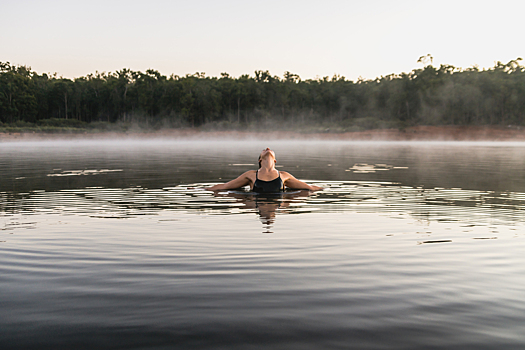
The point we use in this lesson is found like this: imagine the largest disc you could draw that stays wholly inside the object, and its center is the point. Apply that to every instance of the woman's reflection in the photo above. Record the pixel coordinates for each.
(266, 205)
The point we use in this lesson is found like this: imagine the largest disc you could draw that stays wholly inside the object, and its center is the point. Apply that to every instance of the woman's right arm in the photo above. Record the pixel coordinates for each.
(241, 181)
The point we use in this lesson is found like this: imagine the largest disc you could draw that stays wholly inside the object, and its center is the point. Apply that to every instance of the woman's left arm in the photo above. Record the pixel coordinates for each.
(290, 181)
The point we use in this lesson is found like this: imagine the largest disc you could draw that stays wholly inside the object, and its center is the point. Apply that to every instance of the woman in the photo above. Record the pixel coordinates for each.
(267, 179)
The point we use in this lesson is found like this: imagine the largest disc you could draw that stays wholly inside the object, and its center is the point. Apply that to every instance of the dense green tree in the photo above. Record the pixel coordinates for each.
(18, 100)
(443, 95)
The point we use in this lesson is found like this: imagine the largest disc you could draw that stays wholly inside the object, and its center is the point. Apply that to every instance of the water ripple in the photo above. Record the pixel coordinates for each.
(468, 206)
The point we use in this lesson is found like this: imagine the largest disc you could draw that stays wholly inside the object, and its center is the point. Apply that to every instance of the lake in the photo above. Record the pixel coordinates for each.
(110, 244)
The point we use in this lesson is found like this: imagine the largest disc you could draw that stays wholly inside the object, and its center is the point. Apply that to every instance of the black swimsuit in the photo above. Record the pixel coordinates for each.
(261, 186)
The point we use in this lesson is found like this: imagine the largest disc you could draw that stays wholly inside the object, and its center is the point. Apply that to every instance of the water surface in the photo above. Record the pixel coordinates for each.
(114, 244)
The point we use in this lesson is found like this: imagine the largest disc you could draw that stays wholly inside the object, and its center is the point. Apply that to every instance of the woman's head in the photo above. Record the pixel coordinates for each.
(266, 153)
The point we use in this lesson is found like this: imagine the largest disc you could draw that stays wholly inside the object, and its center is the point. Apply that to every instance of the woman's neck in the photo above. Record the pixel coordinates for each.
(267, 164)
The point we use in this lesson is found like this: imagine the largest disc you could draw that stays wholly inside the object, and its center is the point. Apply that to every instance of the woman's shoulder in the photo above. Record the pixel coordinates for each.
(285, 175)
(249, 173)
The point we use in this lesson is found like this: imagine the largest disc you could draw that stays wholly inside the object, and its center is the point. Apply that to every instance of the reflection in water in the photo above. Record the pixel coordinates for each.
(437, 204)
(267, 205)
(83, 172)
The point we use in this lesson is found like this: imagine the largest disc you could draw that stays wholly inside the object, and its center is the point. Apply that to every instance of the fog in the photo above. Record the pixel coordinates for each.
(156, 163)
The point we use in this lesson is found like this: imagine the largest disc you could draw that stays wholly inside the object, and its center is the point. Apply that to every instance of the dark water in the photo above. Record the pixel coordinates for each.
(115, 245)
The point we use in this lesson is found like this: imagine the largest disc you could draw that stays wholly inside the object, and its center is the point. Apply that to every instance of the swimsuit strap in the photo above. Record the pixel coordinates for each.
(256, 172)
(282, 182)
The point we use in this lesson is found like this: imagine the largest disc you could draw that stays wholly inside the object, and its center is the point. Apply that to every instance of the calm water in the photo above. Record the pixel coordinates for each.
(116, 245)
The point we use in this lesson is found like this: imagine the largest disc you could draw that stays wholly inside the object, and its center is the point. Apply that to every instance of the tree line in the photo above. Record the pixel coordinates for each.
(444, 95)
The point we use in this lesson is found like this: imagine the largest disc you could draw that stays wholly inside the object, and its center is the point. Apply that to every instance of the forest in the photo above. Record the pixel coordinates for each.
(444, 95)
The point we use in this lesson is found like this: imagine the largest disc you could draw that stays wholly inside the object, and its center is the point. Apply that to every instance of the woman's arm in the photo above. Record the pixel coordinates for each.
(241, 181)
(292, 182)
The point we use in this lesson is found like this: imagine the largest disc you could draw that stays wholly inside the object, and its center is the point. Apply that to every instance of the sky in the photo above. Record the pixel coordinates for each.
(313, 39)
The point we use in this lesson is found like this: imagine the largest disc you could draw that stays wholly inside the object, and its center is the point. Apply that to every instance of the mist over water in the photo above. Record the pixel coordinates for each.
(114, 244)
(148, 163)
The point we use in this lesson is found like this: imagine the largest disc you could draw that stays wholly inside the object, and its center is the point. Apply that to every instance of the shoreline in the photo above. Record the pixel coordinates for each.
(416, 133)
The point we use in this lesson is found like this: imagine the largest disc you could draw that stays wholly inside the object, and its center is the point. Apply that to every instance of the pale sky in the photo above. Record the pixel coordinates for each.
(310, 38)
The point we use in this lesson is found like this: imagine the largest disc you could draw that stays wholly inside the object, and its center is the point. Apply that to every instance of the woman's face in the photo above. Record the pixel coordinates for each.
(267, 152)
